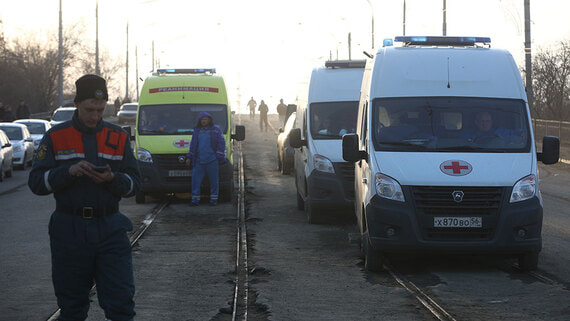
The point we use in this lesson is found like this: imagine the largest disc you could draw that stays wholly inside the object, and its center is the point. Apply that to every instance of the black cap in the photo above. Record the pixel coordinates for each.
(90, 86)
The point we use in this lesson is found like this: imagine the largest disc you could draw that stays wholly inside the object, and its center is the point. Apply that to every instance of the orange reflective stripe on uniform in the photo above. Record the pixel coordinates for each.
(67, 144)
(111, 143)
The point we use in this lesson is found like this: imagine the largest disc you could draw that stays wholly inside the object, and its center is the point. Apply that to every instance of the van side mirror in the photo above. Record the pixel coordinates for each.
(129, 132)
(550, 150)
(350, 151)
(239, 134)
(295, 138)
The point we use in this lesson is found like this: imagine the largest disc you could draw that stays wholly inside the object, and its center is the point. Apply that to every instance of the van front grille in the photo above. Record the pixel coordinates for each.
(170, 161)
(438, 200)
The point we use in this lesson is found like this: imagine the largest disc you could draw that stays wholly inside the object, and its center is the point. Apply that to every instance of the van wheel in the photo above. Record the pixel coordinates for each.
(279, 164)
(314, 216)
(286, 169)
(140, 198)
(9, 172)
(227, 193)
(528, 261)
(1, 173)
(373, 260)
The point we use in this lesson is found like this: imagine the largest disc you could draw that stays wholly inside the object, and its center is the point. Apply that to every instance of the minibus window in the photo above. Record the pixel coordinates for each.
(442, 124)
(178, 119)
(331, 120)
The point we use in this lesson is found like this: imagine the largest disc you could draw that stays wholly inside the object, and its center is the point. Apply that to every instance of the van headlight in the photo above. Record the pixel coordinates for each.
(389, 188)
(524, 189)
(323, 164)
(144, 155)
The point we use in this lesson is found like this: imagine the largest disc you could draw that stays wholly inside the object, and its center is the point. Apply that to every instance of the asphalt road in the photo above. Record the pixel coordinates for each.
(184, 263)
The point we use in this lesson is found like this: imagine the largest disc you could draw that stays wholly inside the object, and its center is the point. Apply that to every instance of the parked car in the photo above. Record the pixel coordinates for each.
(37, 128)
(21, 141)
(128, 113)
(6, 155)
(286, 153)
(62, 114)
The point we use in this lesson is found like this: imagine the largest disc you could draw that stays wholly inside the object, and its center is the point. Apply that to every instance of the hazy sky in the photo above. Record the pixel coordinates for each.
(268, 47)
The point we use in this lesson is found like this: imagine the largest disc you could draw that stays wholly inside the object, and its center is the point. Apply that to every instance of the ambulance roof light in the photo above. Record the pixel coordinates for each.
(187, 71)
(388, 42)
(442, 41)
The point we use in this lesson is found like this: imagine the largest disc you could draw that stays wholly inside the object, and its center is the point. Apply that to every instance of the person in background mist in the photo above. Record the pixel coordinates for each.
(23, 111)
(263, 110)
(252, 104)
(282, 111)
(8, 115)
(207, 152)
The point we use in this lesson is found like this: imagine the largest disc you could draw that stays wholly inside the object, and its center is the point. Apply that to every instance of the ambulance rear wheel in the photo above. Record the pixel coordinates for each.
(373, 260)
(140, 198)
(528, 261)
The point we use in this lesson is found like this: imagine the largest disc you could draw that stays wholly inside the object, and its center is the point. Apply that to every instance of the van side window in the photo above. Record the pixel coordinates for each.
(304, 134)
(364, 129)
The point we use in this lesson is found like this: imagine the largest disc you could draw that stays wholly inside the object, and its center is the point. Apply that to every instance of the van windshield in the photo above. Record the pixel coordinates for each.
(443, 124)
(331, 120)
(178, 119)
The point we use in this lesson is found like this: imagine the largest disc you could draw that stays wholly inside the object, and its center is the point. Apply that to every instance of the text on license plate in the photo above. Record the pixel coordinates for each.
(179, 173)
(457, 221)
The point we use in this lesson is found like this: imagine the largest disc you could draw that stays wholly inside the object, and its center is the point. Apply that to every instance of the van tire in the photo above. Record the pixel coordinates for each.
(373, 260)
(140, 197)
(528, 261)
(226, 192)
(279, 164)
(314, 216)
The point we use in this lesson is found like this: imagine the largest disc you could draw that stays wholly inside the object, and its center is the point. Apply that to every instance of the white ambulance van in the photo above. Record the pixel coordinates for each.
(445, 154)
(324, 180)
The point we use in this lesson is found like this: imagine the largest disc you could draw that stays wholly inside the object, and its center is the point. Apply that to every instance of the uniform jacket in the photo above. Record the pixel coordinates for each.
(66, 144)
(216, 139)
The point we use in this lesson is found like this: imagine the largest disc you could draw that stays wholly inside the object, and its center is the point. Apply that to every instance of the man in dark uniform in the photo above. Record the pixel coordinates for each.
(88, 165)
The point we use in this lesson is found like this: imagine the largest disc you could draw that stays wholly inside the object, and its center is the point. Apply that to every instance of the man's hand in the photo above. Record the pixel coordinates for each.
(85, 168)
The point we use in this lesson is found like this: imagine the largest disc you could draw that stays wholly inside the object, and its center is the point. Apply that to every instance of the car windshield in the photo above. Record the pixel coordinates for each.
(63, 115)
(331, 120)
(13, 133)
(36, 128)
(129, 107)
(442, 124)
(178, 119)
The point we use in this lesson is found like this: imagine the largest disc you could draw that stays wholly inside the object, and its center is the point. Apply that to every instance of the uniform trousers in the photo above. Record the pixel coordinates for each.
(88, 250)
(198, 173)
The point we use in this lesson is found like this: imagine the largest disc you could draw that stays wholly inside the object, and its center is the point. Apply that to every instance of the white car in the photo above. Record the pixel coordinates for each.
(127, 113)
(6, 155)
(62, 114)
(22, 142)
(37, 128)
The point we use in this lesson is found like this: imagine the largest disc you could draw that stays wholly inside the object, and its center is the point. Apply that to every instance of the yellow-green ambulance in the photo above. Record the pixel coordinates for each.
(169, 104)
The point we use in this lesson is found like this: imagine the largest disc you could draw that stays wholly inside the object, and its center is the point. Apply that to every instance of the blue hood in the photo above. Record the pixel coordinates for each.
(204, 114)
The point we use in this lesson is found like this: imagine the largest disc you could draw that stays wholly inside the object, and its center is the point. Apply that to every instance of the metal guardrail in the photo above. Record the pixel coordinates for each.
(560, 129)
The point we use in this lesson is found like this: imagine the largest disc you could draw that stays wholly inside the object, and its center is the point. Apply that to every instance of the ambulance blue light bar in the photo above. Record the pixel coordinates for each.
(187, 71)
(442, 41)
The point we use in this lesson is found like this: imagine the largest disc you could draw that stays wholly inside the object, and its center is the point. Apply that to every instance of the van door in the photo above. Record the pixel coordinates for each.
(362, 177)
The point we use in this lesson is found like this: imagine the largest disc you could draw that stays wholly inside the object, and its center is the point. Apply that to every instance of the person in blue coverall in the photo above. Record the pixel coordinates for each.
(207, 152)
(88, 165)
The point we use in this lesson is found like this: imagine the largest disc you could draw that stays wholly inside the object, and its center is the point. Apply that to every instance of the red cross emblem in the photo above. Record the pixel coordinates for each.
(181, 143)
(455, 167)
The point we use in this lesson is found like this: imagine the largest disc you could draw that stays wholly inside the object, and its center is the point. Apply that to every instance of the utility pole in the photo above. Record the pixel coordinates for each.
(372, 12)
(127, 66)
(404, 20)
(349, 47)
(528, 55)
(97, 70)
(60, 60)
(153, 62)
(444, 18)
(137, 70)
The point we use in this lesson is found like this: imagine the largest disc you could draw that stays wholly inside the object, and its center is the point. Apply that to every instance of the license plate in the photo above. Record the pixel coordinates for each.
(457, 221)
(179, 173)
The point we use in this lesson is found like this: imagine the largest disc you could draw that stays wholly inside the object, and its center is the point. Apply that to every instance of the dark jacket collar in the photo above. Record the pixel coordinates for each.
(84, 129)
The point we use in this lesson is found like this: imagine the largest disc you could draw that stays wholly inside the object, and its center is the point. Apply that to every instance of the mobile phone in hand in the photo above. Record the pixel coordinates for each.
(100, 168)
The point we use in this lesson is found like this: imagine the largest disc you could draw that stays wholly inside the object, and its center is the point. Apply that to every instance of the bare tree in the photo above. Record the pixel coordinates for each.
(551, 81)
